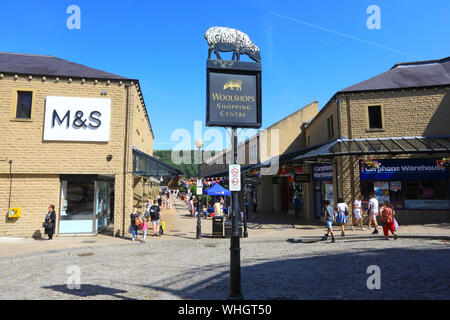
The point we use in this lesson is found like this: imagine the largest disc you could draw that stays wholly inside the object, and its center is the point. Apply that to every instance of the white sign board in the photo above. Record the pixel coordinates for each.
(199, 187)
(235, 177)
(77, 119)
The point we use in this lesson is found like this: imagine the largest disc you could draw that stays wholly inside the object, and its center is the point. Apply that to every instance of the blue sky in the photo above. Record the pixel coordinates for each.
(310, 49)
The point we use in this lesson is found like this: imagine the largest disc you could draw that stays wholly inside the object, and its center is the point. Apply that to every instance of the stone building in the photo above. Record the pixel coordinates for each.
(76, 137)
(399, 119)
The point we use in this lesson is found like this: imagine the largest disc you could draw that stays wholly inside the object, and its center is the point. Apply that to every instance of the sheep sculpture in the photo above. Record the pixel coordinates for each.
(221, 39)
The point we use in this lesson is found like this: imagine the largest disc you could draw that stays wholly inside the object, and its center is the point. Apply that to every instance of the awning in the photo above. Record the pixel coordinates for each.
(375, 146)
(146, 165)
(284, 158)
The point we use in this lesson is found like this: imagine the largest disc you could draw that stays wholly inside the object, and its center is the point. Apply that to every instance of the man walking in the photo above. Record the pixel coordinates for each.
(155, 216)
(373, 212)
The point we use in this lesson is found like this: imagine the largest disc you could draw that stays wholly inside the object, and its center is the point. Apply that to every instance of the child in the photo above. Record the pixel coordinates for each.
(144, 229)
(329, 218)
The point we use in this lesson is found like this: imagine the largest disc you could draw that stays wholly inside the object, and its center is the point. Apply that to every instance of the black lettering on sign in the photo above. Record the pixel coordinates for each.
(94, 119)
(78, 121)
(59, 120)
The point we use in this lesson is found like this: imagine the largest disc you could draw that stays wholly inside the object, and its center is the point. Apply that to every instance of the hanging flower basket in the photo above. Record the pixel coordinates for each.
(443, 163)
(370, 164)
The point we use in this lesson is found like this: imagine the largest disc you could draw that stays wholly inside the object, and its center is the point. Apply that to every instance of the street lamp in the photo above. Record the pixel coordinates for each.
(199, 145)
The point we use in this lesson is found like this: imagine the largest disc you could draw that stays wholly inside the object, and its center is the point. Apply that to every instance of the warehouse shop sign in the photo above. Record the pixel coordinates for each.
(322, 172)
(404, 169)
(77, 119)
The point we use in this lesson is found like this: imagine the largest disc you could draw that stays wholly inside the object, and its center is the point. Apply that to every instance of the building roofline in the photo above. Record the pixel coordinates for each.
(420, 62)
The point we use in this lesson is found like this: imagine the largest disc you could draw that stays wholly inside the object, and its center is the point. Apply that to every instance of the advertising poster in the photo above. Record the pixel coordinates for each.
(381, 189)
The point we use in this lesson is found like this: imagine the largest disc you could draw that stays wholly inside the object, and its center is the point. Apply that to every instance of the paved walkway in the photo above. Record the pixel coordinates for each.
(181, 226)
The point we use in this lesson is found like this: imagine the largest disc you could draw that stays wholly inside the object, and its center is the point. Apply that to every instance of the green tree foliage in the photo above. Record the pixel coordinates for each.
(188, 170)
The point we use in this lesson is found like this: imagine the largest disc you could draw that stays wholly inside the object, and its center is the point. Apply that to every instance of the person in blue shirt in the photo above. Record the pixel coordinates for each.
(329, 218)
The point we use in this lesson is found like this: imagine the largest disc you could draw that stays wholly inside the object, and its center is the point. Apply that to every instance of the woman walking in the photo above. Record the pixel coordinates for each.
(357, 210)
(135, 223)
(342, 215)
(388, 220)
(50, 222)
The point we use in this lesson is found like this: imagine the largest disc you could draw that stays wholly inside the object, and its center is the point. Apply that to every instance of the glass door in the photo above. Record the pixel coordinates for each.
(101, 204)
(77, 201)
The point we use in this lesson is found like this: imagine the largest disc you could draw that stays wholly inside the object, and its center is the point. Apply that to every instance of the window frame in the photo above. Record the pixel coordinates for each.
(330, 125)
(15, 101)
(383, 126)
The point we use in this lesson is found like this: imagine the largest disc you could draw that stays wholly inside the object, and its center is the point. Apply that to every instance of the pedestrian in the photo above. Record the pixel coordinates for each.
(357, 210)
(155, 215)
(373, 212)
(159, 200)
(192, 206)
(217, 209)
(144, 229)
(135, 223)
(328, 219)
(50, 222)
(342, 215)
(296, 205)
(168, 205)
(195, 207)
(147, 208)
(388, 220)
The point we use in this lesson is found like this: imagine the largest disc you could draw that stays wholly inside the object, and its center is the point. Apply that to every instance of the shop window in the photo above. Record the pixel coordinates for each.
(330, 127)
(410, 194)
(24, 103)
(426, 194)
(375, 117)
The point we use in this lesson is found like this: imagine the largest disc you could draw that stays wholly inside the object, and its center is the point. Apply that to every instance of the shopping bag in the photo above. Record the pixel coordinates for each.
(395, 225)
(130, 229)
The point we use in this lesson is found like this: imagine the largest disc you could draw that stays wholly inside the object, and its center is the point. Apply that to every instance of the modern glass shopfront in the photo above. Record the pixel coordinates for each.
(87, 203)
(322, 176)
(409, 184)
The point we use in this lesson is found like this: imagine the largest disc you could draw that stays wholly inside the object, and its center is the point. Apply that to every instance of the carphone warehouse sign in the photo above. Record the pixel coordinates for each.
(77, 119)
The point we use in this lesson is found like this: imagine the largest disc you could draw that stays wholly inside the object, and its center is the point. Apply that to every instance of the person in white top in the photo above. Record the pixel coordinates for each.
(373, 213)
(357, 210)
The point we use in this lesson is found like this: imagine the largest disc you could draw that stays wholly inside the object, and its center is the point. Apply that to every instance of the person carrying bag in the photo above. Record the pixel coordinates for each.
(50, 222)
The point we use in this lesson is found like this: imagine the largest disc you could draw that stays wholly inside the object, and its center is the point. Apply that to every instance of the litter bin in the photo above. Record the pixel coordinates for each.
(217, 227)
(228, 229)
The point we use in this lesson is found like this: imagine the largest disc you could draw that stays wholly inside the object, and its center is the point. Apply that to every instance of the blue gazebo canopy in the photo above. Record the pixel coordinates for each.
(217, 190)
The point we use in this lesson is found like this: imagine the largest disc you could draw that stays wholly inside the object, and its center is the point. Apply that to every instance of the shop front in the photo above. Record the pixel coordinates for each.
(87, 203)
(409, 184)
(290, 184)
(322, 176)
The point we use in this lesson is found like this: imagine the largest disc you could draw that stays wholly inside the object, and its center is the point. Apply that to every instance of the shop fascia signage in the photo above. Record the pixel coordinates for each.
(322, 172)
(417, 166)
(77, 119)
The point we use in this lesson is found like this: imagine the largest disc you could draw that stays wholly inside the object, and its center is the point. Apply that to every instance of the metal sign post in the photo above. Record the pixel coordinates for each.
(233, 99)
(235, 249)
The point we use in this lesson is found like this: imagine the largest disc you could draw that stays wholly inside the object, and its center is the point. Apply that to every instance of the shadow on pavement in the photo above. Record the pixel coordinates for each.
(88, 290)
(405, 274)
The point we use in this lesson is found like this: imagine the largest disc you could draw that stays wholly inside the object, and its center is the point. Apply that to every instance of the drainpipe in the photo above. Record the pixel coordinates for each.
(127, 144)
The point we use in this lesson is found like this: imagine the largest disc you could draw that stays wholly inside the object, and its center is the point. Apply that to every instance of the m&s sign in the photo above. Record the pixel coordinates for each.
(77, 119)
